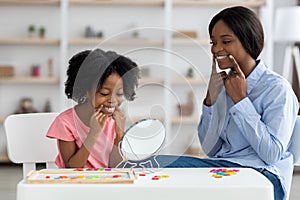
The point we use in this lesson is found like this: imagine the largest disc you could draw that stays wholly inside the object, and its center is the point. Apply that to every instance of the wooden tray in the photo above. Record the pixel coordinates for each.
(73, 176)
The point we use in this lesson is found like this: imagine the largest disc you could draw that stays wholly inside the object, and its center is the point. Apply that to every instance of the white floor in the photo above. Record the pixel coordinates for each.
(10, 175)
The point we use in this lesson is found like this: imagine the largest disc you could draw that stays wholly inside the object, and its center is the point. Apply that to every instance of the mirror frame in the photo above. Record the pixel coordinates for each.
(133, 125)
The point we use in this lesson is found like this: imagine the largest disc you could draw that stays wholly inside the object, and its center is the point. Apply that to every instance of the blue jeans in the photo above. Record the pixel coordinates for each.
(168, 161)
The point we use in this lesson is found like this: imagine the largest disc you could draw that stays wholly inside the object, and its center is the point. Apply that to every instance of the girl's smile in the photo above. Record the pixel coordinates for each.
(110, 94)
(108, 110)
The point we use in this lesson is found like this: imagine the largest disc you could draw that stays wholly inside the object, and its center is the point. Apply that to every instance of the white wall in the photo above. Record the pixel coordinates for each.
(279, 49)
(113, 21)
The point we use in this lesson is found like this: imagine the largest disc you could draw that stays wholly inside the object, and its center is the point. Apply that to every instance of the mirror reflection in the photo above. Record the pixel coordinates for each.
(142, 140)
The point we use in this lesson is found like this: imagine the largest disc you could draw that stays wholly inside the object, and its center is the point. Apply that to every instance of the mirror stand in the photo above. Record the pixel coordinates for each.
(150, 162)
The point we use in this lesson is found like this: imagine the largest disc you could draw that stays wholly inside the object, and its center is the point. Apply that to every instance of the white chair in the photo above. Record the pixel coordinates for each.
(27, 142)
(295, 145)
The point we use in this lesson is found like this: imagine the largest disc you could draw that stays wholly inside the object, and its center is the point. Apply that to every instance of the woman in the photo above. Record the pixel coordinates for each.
(248, 113)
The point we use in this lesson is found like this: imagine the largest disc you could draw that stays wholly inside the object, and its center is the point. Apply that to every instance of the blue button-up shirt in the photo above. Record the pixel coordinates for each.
(256, 131)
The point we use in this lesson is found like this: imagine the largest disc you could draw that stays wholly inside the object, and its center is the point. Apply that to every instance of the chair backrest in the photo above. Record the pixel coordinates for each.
(27, 142)
(295, 142)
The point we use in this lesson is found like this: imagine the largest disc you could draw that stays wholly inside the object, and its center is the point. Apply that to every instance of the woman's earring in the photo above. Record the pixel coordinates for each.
(82, 99)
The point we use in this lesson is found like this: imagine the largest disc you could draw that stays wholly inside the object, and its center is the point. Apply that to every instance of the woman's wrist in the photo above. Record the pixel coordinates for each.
(207, 101)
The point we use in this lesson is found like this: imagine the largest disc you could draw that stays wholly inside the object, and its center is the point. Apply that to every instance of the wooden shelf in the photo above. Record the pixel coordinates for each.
(192, 81)
(125, 41)
(4, 158)
(185, 120)
(221, 3)
(138, 118)
(2, 118)
(31, 2)
(296, 169)
(175, 120)
(159, 3)
(117, 2)
(136, 42)
(29, 80)
(190, 41)
(195, 151)
(29, 41)
(144, 81)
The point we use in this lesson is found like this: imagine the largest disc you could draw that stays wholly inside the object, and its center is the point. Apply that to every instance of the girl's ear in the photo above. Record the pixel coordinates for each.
(91, 96)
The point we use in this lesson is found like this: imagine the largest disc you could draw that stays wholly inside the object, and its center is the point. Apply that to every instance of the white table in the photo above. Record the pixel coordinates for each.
(183, 184)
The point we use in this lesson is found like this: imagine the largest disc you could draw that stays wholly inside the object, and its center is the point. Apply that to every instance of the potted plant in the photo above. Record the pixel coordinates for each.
(42, 32)
(31, 30)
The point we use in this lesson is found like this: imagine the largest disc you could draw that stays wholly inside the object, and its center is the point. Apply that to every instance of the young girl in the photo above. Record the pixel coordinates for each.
(88, 134)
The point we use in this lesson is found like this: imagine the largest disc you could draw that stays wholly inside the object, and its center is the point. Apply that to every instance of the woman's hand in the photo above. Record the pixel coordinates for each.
(120, 119)
(215, 84)
(236, 83)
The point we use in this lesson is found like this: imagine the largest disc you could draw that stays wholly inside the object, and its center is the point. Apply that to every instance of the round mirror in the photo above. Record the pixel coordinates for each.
(142, 139)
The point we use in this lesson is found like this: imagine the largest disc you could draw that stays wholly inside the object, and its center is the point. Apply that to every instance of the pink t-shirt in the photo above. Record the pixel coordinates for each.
(68, 127)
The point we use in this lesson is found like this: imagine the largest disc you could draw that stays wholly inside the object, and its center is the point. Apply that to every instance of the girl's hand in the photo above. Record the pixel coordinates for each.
(97, 121)
(236, 83)
(215, 84)
(120, 119)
